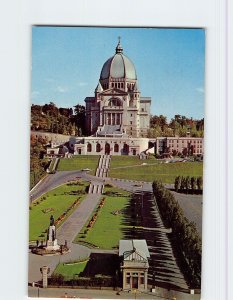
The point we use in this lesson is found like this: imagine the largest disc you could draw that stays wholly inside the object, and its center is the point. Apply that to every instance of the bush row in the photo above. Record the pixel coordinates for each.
(185, 237)
(105, 281)
(188, 184)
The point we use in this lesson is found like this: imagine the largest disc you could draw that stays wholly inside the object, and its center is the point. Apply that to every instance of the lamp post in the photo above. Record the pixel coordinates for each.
(45, 271)
(142, 204)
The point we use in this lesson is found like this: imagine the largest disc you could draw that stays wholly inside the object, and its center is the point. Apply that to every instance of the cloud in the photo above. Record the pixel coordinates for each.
(82, 83)
(61, 89)
(200, 90)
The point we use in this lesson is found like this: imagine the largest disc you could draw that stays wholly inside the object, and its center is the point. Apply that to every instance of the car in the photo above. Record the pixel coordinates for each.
(138, 185)
(86, 170)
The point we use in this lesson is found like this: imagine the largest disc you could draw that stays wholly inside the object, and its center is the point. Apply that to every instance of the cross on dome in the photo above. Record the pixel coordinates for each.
(119, 48)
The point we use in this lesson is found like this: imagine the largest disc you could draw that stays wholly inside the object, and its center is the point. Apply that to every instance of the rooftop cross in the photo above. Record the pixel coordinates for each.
(119, 48)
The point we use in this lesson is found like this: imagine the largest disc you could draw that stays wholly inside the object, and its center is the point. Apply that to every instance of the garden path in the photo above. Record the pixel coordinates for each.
(67, 231)
(164, 272)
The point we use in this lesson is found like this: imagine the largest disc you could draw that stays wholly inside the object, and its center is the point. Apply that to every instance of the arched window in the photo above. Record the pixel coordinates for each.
(116, 148)
(97, 147)
(89, 148)
(107, 148)
(126, 149)
(115, 102)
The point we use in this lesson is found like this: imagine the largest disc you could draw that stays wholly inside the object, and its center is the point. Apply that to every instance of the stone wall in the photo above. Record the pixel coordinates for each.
(54, 138)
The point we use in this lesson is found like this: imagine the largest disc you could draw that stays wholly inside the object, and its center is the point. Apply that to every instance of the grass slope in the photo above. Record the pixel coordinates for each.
(132, 168)
(71, 270)
(108, 228)
(79, 162)
(55, 199)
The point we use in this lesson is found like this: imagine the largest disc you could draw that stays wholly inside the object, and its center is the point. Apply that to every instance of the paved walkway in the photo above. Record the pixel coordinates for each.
(72, 226)
(164, 271)
(37, 261)
(67, 231)
(53, 180)
(160, 294)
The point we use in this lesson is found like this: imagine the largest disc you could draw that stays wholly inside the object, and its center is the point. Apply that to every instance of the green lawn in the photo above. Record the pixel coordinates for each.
(132, 168)
(79, 162)
(122, 161)
(69, 271)
(108, 228)
(57, 200)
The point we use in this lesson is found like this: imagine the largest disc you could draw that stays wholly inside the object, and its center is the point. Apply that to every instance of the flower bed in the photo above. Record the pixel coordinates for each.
(94, 217)
(62, 217)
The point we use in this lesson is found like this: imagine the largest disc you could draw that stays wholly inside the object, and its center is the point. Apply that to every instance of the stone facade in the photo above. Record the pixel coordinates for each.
(112, 146)
(134, 266)
(183, 145)
(117, 107)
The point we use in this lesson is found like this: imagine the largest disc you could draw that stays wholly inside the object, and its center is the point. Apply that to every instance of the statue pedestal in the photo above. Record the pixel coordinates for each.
(51, 247)
(51, 243)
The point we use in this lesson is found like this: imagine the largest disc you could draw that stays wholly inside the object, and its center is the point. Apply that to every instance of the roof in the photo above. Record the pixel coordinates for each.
(99, 88)
(139, 246)
(110, 129)
(87, 99)
(145, 99)
(118, 66)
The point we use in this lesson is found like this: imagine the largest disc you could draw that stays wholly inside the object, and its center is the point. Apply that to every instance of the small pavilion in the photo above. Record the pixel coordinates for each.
(134, 264)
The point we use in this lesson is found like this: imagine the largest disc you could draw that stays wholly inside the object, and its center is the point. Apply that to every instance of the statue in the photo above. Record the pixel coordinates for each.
(51, 220)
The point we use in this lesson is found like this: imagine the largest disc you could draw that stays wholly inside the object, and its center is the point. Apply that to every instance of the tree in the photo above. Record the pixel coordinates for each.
(185, 152)
(177, 183)
(79, 117)
(200, 183)
(182, 183)
(154, 132)
(184, 233)
(154, 121)
(188, 184)
(193, 184)
(168, 132)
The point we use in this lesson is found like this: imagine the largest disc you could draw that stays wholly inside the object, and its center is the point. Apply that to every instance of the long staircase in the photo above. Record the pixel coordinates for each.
(101, 172)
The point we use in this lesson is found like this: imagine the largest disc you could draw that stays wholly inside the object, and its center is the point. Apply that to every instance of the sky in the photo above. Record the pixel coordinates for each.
(170, 65)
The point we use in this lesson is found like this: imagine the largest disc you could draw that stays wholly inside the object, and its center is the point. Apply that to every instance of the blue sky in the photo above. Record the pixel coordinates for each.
(170, 65)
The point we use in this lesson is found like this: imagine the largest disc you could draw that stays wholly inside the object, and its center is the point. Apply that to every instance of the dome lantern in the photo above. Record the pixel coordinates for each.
(119, 48)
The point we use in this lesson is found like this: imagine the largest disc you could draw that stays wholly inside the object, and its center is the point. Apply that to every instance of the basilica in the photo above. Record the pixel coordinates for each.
(117, 116)
(118, 108)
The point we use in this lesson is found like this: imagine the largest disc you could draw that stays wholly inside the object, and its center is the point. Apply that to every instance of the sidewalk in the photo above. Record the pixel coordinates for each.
(160, 294)
(68, 231)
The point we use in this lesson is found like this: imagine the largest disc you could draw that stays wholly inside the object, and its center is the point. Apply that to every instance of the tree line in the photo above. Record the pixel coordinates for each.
(71, 121)
(185, 237)
(38, 164)
(61, 120)
(192, 185)
(178, 126)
